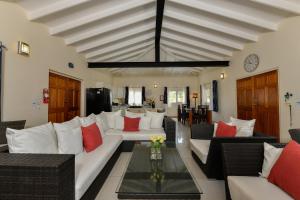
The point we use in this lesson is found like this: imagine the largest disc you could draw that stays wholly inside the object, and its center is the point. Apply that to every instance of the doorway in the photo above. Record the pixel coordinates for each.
(64, 98)
(257, 98)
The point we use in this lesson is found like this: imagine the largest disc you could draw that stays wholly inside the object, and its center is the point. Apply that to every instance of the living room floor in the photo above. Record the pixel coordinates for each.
(212, 189)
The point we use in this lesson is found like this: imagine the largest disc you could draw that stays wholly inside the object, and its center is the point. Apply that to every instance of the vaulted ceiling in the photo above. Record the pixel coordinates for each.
(124, 30)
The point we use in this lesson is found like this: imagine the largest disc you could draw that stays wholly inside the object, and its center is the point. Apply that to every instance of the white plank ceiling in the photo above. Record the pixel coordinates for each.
(124, 30)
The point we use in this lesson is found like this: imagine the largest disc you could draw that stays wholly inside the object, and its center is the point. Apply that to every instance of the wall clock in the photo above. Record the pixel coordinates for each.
(251, 63)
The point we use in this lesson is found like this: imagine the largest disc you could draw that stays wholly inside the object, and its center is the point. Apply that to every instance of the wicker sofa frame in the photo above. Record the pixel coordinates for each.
(31, 192)
(213, 167)
(242, 160)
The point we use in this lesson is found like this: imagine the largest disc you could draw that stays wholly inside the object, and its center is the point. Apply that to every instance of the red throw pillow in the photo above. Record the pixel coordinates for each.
(286, 171)
(91, 137)
(225, 130)
(131, 124)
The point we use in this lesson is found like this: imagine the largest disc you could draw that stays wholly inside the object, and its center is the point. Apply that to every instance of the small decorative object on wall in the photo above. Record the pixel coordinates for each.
(287, 97)
(70, 65)
(45, 96)
(161, 97)
(155, 85)
(251, 62)
(23, 48)
(222, 76)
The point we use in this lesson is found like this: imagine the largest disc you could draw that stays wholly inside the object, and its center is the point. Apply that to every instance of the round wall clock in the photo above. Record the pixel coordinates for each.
(251, 63)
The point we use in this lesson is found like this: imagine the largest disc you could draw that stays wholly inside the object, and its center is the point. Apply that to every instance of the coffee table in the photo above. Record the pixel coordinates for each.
(167, 178)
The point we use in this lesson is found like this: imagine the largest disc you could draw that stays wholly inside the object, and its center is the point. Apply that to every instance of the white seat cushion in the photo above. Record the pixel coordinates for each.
(200, 148)
(89, 165)
(139, 135)
(254, 188)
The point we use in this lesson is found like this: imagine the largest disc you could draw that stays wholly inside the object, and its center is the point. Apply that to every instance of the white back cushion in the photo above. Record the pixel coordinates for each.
(134, 115)
(110, 117)
(119, 122)
(244, 127)
(39, 139)
(145, 123)
(156, 119)
(69, 139)
(271, 155)
(102, 122)
(73, 123)
(86, 121)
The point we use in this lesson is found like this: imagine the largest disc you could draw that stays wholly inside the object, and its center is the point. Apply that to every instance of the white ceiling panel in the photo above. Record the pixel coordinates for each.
(124, 30)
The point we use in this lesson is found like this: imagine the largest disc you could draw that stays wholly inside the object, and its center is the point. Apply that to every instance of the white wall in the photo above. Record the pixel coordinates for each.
(25, 77)
(279, 50)
(162, 81)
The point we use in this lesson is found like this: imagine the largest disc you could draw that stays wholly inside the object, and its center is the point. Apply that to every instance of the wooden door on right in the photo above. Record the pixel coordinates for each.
(257, 98)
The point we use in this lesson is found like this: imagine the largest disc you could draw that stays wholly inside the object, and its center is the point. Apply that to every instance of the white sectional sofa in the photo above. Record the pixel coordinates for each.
(91, 168)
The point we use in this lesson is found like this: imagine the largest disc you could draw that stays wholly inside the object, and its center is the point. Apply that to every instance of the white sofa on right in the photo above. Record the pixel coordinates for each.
(246, 167)
(254, 188)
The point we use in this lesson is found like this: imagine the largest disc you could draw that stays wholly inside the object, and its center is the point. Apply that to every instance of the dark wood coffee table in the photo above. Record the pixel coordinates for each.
(157, 179)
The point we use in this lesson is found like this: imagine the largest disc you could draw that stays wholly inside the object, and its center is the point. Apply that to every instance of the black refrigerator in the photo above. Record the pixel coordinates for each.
(98, 100)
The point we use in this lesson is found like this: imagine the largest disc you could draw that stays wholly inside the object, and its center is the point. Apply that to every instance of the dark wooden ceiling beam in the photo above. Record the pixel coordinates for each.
(158, 64)
(160, 4)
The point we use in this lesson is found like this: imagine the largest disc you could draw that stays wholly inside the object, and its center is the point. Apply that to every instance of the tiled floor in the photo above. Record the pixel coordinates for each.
(212, 189)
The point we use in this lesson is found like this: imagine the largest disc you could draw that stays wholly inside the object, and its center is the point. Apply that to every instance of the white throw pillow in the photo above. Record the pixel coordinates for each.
(86, 121)
(156, 119)
(244, 127)
(102, 122)
(69, 139)
(110, 117)
(74, 123)
(119, 122)
(145, 123)
(39, 139)
(271, 155)
(134, 115)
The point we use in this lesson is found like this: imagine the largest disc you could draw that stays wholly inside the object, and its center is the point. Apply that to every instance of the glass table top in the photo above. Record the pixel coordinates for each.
(168, 176)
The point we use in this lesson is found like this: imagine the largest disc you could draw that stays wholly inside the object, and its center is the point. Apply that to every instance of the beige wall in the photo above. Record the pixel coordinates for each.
(25, 77)
(162, 81)
(279, 50)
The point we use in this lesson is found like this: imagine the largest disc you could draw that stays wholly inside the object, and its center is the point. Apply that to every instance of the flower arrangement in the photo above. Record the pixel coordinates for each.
(157, 141)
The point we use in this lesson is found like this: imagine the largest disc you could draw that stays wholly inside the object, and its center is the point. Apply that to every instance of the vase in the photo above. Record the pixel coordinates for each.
(155, 153)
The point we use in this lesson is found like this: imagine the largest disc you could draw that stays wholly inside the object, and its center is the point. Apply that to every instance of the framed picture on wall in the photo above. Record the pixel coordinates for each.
(161, 98)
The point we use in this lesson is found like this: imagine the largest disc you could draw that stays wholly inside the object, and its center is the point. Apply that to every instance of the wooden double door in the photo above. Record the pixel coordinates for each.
(64, 98)
(257, 98)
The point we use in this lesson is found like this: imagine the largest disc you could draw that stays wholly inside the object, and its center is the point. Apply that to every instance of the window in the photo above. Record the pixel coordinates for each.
(207, 94)
(176, 95)
(135, 96)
